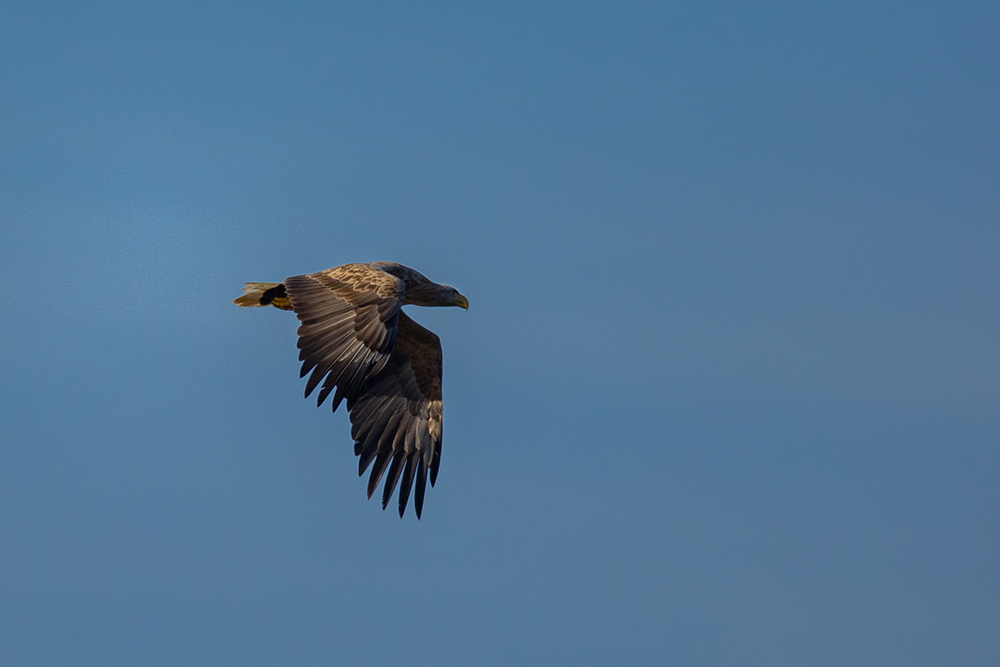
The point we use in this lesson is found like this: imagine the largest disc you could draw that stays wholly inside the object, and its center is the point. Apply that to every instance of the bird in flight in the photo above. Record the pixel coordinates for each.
(355, 339)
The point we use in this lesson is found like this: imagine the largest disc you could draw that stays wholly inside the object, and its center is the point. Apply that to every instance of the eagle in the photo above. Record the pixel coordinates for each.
(355, 340)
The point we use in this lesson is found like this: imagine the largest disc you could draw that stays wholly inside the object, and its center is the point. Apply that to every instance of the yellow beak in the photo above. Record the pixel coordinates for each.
(461, 302)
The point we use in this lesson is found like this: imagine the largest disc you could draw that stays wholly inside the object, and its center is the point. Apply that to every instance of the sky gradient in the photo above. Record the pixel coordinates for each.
(727, 392)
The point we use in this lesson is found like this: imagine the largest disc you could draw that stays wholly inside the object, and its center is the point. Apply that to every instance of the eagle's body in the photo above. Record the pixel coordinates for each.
(356, 340)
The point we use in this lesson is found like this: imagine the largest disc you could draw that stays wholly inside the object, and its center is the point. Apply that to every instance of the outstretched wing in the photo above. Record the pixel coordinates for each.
(348, 321)
(396, 420)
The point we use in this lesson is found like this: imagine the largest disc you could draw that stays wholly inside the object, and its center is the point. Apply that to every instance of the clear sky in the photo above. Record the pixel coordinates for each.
(727, 392)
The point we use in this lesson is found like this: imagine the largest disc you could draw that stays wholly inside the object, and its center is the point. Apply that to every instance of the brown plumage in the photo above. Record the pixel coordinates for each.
(355, 339)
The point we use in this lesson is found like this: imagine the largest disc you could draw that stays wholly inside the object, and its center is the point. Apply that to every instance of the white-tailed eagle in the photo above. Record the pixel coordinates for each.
(356, 341)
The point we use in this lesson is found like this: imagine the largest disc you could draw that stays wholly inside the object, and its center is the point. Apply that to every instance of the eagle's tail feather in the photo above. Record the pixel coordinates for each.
(264, 294)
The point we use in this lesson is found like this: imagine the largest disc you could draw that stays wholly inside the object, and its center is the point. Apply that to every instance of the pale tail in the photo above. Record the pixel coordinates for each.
(264, 294)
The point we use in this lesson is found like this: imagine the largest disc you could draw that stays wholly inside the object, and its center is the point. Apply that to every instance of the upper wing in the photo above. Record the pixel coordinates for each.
(348, 329)
(396, 421)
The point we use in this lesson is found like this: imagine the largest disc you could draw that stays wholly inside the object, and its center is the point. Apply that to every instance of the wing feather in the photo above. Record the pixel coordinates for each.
(348, 318)
(396, 417)
(420, 484)
(406, 483)
(381, 461)
(392, 477)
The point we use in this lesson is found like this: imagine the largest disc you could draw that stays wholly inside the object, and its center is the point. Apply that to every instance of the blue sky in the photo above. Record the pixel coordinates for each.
(726, 393)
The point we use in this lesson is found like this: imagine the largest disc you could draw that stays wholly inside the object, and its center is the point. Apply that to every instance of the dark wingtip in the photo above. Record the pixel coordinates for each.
(391, 477)
(406, 483)
(381, 461)
(420, 484)
(324, 392)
